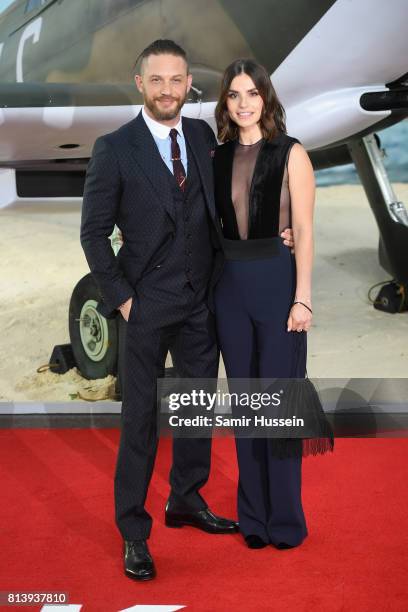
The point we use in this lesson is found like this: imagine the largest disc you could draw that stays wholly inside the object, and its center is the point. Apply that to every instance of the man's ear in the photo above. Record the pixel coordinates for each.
(189, 81)
(139, 82)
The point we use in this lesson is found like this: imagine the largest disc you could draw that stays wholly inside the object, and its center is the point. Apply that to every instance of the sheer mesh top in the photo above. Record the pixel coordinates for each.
(242, 171)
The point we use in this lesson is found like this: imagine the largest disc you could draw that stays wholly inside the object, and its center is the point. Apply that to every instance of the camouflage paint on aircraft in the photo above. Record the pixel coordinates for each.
(97, 41)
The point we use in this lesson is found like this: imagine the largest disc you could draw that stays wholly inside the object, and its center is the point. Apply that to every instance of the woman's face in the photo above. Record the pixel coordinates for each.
(244, 103)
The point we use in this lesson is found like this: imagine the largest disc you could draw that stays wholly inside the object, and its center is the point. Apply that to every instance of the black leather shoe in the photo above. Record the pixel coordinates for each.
(283, 545)
(202, 519)
(138, 561)
(254, 541)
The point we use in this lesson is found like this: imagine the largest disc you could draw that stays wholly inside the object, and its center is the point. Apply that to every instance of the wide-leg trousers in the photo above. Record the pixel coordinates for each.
(252, 302)
(159, 323)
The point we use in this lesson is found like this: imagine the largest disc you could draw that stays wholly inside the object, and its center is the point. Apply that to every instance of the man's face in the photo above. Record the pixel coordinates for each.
(164, 83)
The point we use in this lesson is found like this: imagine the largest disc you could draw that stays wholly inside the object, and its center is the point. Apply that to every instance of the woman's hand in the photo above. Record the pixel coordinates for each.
(300, 318)
(287, 236)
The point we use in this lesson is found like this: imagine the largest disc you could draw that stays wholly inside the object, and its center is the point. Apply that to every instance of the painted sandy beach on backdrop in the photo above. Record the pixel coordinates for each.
(42, 260)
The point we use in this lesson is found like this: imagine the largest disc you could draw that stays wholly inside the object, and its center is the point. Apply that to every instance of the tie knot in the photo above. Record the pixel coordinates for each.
(173, 134)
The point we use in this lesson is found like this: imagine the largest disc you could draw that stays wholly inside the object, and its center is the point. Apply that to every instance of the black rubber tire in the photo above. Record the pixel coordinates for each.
(85, 290)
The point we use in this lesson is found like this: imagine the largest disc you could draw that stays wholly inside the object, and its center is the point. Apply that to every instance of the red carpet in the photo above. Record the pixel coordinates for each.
(58, 532)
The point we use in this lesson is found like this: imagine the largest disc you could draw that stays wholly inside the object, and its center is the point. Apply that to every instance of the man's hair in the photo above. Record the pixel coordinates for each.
(160, 47)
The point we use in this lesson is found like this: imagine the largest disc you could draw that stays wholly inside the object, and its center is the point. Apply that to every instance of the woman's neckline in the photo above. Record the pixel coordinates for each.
(241, 144)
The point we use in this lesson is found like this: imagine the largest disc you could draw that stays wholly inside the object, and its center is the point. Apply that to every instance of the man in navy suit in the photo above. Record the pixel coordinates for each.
(153, 179)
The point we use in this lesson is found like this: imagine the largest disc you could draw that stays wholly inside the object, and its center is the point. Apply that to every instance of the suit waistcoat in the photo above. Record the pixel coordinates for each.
(190, 258)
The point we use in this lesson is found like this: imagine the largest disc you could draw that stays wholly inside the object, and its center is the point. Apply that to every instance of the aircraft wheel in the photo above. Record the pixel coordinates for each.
(94, 339)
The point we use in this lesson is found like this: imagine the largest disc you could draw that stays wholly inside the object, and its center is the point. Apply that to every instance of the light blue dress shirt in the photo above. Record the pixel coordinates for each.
(161, 135)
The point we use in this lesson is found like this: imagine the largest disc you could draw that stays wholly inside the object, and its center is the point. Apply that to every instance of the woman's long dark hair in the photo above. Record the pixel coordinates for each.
(273, 118)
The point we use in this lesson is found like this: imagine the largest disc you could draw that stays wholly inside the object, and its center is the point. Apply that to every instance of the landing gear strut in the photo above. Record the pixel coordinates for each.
(392, 221)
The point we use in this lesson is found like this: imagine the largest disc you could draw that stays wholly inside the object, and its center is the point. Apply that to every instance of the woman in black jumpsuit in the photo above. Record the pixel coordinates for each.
(263, 183)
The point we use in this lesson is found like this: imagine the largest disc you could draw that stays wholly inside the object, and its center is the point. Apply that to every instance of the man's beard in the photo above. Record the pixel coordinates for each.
(164, 115)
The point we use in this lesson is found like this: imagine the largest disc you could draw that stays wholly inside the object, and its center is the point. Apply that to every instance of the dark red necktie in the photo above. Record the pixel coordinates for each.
(178, 168)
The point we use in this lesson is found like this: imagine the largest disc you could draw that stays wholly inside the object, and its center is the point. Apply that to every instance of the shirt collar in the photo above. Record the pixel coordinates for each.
(158, 129)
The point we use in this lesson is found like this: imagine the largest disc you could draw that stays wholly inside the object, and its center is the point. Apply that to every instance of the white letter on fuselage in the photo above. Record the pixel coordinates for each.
(32, 30)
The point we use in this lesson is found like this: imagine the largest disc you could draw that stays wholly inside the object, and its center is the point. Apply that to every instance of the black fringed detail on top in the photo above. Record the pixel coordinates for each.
(301, 400)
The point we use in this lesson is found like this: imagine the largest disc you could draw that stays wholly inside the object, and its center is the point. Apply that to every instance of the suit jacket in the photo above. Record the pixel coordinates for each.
(127, 185)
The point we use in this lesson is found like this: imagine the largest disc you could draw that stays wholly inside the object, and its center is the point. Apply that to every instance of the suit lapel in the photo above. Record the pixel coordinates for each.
(147, 156)
(203, 160)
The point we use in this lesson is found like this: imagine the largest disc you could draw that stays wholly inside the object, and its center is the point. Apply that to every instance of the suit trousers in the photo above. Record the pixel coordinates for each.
(252, 299)
(160, 322)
